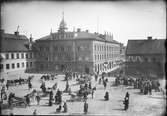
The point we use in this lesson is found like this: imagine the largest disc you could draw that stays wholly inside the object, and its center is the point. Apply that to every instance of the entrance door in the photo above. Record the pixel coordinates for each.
(62, 67)
(87, 70)
(41, 67)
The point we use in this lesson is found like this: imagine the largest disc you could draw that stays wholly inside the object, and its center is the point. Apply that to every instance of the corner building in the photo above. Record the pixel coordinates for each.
(146, 57)
(78, 51)
(16, 54)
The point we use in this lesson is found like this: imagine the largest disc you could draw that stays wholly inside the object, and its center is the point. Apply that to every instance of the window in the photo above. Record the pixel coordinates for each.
(47, 48)
(22, 55)
(153, 59)
(30, 55)
(55, 48)
(22, 64)
(62, 48)
(13, 65)
(17, 55)
(18, 65)
(1, 66)
(69, 48)
(7, 66)
(26, 55)
(12, 55)
(145, 59)
(78, 49)
(40, 49)
(26, 64)
(7, 56)
(95, 47)
(30, 64)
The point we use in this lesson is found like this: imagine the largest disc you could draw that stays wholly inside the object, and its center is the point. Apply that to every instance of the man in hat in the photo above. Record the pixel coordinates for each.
(85, 107)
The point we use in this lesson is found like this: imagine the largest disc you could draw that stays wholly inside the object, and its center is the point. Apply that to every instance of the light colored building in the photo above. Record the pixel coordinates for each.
(79, 51)
(15, 54)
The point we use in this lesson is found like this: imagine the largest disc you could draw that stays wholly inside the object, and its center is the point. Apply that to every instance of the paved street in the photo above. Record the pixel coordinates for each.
(139, 105)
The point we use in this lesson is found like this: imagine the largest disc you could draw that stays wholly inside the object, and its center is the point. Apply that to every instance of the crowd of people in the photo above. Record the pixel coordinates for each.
(146, 85)
(86, 88)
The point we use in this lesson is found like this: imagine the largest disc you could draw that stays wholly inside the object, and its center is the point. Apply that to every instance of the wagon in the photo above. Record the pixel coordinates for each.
(17, 101)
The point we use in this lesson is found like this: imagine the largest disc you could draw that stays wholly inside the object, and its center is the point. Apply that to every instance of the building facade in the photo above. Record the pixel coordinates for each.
(78, 51)
(146, 57)
(15, 54)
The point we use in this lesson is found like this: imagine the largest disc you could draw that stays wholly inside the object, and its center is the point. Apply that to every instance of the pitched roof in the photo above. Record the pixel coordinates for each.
(155, 46)
(79, 35)
(13, 43)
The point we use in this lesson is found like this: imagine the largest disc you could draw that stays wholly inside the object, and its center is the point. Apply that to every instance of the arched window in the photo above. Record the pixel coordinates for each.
(146, 59)
(153, 59)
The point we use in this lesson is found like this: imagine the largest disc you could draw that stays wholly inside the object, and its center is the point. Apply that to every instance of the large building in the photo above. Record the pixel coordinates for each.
(146, 57)
(16, 55)
(79, 51)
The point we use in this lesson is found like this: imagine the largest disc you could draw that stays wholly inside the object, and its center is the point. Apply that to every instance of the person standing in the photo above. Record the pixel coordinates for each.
(92, 93)
(67, 86)
(20, 80)
(85, 107)
(1, 101)
(7, 85)
(105, 84)
(96, 77)
(106, 97)
(127, 95)
(100, 81)
(90, 85)
(38, 98)
(50, 101)
(126, 103)
(27, 99)
(29, 85)
(35, 112)
(59, 108)
(65, 107)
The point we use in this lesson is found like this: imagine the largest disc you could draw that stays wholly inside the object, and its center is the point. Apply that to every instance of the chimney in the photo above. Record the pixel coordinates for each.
(87, 31)
(16, 33)
(78, 30)
(149, 38)
(31, 39)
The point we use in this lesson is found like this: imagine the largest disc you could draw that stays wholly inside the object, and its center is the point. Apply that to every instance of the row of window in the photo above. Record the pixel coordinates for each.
(140, 59)
(105, 48)
(18, 55)
(56, 48)
(16, 65)
(63, 35)
(103, 57)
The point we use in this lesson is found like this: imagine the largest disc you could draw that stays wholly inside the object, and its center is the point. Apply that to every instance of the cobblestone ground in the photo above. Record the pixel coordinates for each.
(139, 105)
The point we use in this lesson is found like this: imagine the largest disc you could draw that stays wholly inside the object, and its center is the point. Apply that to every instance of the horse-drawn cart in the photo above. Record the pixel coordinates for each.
(17, 101)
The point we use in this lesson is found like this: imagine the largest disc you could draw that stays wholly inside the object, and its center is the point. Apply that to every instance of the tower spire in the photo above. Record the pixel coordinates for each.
(51, 31)
(63, 25)
(63, 14)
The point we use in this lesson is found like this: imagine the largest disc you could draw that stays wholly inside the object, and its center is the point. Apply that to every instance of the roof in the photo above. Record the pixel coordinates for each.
(155, 46)
(13, 43)
(78, 36)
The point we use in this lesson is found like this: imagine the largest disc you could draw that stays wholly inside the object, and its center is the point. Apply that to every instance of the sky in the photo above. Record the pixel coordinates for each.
(124, 19)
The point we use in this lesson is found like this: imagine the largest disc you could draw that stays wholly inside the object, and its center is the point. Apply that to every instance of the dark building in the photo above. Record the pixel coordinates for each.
(146, 57)
(79, 51)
